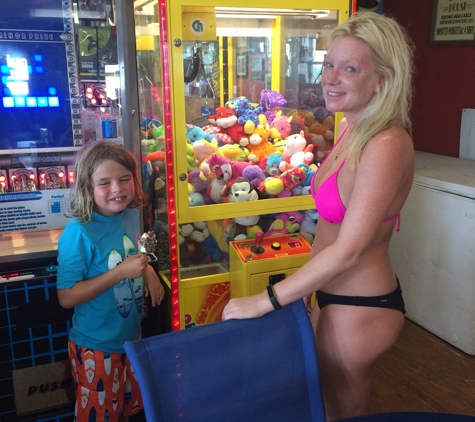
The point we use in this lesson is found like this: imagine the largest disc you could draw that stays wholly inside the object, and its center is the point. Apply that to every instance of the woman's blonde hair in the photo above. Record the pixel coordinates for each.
(89, 158)
(392, 55)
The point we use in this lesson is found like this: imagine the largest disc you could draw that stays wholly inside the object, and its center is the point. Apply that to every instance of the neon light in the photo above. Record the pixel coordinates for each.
(52, 91)
(38, 57)
(8, 102)
(31, 102)
(5, 70)
(42, 101)
(18, 88)
(39, 69)
(18, 68)
(168, 119)
(53, 101)
(20, 101)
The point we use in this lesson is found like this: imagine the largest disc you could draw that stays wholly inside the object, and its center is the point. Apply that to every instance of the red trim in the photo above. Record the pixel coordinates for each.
(168, 119)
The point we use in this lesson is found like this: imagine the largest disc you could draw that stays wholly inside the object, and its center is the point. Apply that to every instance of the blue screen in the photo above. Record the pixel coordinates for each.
(35, 97)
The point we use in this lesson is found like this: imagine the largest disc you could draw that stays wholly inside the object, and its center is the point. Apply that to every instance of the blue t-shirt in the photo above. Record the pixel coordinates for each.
(86, 250)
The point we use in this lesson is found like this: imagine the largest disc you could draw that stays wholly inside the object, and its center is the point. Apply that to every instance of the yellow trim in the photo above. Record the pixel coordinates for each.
(277, 76)
(221, 79)
(231, 69)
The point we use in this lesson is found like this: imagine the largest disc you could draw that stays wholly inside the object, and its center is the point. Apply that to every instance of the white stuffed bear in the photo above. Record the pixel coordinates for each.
(296, 151)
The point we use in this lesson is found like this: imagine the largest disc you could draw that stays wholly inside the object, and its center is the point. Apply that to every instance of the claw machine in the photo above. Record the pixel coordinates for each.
(243, 128)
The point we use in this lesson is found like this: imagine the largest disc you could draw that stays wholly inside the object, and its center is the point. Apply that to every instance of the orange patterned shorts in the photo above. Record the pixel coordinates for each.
(106, 387)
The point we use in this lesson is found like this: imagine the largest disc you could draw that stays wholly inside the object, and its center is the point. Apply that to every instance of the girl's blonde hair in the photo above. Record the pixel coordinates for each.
(89, 158)
(392, 55)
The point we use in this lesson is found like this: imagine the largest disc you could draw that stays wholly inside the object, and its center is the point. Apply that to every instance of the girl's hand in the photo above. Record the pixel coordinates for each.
(247, 307)
(134, 266)
(153, 287)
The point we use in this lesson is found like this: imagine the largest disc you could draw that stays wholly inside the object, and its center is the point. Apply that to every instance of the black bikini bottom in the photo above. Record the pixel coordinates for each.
(392, 300)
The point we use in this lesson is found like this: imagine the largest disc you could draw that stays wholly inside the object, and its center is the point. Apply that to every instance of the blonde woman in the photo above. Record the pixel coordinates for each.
(359, 191)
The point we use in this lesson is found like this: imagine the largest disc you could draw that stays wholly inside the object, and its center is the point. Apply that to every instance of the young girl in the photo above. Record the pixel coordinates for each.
(102, 275)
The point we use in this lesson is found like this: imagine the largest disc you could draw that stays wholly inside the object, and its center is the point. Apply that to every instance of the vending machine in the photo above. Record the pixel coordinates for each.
(235, 127)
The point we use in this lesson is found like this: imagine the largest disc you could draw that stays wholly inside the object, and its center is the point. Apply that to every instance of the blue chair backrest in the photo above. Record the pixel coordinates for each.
(254, 370)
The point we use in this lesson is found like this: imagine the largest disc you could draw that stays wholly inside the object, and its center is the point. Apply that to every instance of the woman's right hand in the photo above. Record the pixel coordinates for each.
(247, 307)
(134, 266)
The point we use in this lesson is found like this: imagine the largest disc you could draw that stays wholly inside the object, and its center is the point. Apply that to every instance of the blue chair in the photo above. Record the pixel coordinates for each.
(254, 370)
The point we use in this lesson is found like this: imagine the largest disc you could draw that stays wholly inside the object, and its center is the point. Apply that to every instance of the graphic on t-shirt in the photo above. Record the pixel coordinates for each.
(127, 290)
(130, 249)
(123, 289)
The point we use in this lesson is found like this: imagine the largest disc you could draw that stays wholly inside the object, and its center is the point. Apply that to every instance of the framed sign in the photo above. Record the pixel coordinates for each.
(241, 65)
(257, 69)
(453, 22)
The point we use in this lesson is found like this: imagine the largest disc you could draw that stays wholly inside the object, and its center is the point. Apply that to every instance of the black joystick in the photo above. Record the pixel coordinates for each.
(257, 248)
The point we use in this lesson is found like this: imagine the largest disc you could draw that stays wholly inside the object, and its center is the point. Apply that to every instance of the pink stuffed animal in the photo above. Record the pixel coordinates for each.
(287, 222)
(225, 169)
(280, 127)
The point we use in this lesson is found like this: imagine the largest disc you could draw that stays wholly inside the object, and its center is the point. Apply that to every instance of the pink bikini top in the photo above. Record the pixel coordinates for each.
(327, 198)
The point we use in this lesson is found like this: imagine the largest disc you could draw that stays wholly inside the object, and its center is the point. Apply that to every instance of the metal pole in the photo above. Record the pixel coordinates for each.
(127, 59)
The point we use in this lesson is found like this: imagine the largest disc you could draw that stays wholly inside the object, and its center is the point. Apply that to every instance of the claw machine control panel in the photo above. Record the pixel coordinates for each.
(256, 263)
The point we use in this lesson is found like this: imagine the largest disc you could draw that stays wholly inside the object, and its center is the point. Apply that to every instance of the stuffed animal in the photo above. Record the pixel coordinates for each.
(225, 169)
(304, 187)
(259, 145)
(203, 149)
(270, 164)
(288, 222)
(293, 178)
(270, 101)
(242, 190)
(237, 134)
(308, 225)
(196, 245)
(233, 152)
(195, 199)
(254, 174)
(296, 151)
(215, 190)
(247, 114)
(282, 185)
(271, 187)
(199, 184)
(196, 133)
(147, 126)
(220, 122)
(280, 127)
(192, 162)
(224, 117)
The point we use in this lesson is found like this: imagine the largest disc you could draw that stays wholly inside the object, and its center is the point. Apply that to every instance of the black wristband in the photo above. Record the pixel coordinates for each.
(273, 300)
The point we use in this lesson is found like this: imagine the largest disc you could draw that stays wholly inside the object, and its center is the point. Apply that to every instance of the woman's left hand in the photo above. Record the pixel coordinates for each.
(247, 307)
(153, 287)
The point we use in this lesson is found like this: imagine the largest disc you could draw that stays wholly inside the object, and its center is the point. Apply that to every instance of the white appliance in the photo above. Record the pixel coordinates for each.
(434, 254)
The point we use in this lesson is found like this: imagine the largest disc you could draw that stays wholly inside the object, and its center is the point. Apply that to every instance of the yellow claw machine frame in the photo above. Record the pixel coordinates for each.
(237, 126)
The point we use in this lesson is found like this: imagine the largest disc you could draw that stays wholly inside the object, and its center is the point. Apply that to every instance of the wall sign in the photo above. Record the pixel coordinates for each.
(453, 22)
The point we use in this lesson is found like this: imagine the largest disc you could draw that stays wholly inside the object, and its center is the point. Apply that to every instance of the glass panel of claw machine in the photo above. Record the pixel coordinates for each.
(253, 109)
(147, 37)
(252, 79)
